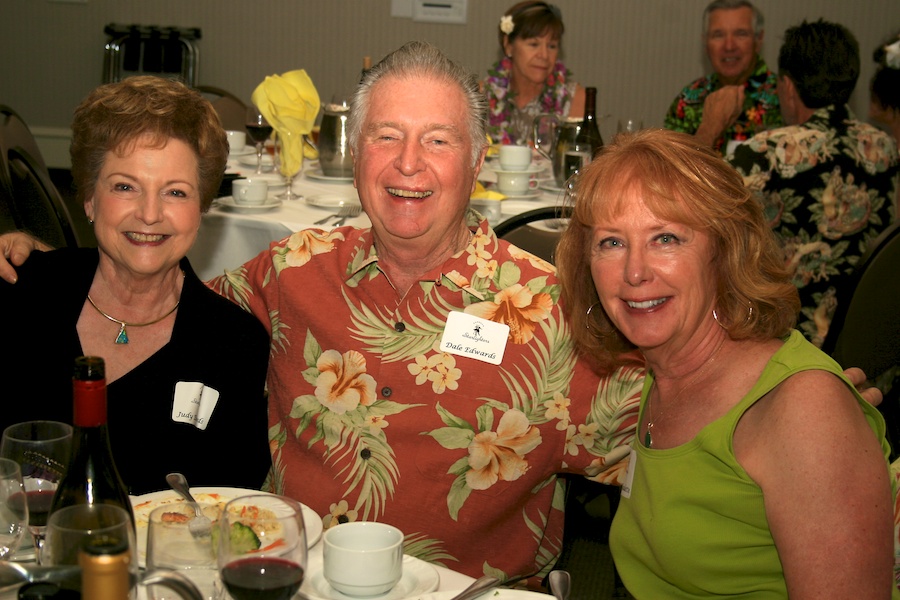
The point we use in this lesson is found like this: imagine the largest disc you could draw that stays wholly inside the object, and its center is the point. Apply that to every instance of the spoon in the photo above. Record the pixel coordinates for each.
(478, 587)
(200, 525)
(560, 584)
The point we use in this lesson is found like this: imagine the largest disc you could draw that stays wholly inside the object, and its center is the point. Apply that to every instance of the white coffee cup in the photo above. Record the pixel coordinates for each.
(513, 183)
(249, 191)
(363, 558)
(489, 208)
(515, 158)
(237, 140)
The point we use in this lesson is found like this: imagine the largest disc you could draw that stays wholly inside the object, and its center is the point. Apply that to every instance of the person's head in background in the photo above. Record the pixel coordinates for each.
(884, 91)
(733, 32)
(530, 34)
(818, 66)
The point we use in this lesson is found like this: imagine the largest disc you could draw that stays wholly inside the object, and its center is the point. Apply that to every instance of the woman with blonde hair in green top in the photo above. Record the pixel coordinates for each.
(757, 469)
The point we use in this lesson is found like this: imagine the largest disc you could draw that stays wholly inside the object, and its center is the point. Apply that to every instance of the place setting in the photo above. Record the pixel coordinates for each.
(517, 176)
(250, 195)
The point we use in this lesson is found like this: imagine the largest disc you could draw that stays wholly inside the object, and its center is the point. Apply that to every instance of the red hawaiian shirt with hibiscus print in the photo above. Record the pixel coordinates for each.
(371, 420)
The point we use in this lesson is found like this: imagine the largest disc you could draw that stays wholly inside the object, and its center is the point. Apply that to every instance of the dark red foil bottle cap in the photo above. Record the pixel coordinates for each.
(89, 392)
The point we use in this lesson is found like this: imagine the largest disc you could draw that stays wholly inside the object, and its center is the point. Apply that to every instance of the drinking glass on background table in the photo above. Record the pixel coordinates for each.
(259, 131)
(171, 546)
(630, 125)
(13, 508)
(262, 547)
(289, 163)
(42, 449)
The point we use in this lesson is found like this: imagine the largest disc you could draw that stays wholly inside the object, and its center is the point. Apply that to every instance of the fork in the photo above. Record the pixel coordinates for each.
(347, 212)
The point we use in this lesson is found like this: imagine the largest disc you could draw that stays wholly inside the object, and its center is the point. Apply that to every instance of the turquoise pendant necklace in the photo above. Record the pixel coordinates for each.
(122, 336)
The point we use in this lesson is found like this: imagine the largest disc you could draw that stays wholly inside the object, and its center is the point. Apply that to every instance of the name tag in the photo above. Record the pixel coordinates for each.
(194, 403)
(629, 474)
(474, 337)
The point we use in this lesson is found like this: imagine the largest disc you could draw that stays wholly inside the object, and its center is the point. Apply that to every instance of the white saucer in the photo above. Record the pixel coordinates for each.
(276, 181)
(419, 577)
(529, 170)
(551, 187)
(514, 207)
(229, 203)
(320, 176)
(331, 200)
(242, 152)
(529, 195)
(268, 163)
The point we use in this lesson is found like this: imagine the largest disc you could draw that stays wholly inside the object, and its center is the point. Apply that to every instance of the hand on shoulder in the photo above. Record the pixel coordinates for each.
(15, 248)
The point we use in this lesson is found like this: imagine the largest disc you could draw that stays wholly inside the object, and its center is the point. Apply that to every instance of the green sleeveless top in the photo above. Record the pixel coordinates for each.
(694, 525)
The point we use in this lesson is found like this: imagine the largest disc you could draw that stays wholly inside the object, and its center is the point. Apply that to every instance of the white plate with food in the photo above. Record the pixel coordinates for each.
(419, 577)
(318, 175)
(229, 203)
(146, 504)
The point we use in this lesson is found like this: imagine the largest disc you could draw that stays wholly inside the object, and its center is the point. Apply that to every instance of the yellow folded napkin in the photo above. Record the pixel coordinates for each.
(290, 103)
(481, 193)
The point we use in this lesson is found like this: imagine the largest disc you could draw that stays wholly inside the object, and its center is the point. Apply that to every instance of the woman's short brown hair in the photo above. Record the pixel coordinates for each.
(115, 115)
(533, 19)
(680, 181)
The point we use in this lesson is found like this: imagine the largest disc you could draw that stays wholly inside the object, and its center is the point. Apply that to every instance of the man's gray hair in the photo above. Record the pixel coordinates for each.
(421, 59)
(758, 22)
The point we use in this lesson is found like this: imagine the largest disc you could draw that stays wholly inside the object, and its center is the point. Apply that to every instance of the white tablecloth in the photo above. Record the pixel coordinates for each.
(229, 238)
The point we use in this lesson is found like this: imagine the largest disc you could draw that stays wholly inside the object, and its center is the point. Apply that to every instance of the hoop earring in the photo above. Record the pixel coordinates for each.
(587, 321)
(716, 317)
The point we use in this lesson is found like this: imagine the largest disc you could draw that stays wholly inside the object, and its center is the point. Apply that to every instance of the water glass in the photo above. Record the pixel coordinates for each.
(72, 528)
(13, 508)
(172, 547)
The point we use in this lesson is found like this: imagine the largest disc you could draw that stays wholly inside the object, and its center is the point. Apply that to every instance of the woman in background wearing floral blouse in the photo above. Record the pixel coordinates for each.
(529, 80)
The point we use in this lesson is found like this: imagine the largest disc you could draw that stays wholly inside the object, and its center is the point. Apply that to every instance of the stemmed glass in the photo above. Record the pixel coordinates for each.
(259, 131)
(262, 547)
(13, 508)
(41, 448)
(290, 155)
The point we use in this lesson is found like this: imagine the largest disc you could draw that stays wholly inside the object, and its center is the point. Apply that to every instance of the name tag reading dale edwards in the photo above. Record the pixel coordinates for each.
(474, 337)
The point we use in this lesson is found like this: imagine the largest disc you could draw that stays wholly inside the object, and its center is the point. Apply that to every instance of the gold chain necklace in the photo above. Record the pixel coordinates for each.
(122, 336)
(648, 437)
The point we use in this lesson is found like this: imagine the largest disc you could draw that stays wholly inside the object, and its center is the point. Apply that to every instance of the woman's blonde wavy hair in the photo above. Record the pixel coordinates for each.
(679, 180)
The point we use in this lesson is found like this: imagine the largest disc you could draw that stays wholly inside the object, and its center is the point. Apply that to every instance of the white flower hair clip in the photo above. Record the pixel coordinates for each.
(506, 24)
(892, 55)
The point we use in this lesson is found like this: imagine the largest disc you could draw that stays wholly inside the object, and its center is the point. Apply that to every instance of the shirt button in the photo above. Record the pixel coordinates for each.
(400, 327)
(386, 392)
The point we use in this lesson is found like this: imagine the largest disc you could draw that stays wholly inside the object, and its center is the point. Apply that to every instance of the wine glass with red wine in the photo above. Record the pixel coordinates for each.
(262, 547)
(42, 449)
(259, 131)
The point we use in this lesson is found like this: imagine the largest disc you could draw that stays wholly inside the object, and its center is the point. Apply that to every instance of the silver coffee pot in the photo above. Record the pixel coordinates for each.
(334, 141)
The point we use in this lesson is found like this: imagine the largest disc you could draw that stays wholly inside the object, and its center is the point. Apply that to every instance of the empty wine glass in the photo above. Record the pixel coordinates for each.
(259, 131)
(629, 125)
(262, 547)
(41, 448)
(290, 161)
(13, 508)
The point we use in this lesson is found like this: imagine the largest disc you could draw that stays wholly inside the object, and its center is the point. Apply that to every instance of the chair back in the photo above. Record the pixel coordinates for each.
(31, 201)
(539, 239)
(865, 329)
(231, 110)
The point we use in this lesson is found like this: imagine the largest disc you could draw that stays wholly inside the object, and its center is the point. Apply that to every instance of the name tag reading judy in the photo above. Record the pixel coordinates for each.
(194, 403)
(474, 337)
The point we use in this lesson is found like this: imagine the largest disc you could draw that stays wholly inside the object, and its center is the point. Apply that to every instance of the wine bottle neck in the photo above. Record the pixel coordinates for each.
(590, 103)
(89, 403)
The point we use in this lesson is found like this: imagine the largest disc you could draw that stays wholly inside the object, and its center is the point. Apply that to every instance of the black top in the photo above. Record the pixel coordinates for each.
(213, 342)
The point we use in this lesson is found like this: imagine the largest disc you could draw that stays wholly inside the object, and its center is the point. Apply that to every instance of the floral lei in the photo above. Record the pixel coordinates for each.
(553, 100)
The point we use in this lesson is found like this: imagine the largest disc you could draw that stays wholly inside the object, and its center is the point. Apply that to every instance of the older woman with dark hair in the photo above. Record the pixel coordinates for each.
(530, 79)
(185, 367)
(757, 467)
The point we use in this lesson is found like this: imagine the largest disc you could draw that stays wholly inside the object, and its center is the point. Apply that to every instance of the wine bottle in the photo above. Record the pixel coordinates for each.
(92, 477)
(587, 140)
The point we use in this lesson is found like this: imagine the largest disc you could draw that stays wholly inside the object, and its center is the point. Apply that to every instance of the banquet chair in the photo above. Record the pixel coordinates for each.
(540, 240)
(865, 329)
(231, 110)
(32, 201)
